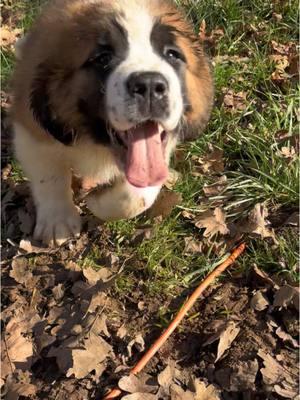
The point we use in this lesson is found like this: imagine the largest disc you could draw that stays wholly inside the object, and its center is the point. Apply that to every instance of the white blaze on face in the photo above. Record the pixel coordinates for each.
(138, 23)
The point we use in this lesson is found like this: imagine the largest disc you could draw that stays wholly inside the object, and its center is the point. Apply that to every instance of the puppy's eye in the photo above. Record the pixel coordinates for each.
(173, 55)
(103, 58)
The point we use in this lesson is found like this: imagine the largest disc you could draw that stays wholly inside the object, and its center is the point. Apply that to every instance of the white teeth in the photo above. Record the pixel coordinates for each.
(160, 128)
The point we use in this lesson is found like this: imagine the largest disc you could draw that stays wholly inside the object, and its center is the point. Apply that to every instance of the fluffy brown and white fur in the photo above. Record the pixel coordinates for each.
(104, 90)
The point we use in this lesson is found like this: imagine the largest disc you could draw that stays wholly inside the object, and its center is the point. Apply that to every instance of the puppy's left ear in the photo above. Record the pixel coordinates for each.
(199, 87)
(200, 96)
(40, 104)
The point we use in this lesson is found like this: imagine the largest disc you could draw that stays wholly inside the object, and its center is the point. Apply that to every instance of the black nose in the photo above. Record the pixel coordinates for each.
(147, 85)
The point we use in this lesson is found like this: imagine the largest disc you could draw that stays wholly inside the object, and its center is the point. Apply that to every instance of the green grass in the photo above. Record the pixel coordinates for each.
(254, 168)
(27, 9)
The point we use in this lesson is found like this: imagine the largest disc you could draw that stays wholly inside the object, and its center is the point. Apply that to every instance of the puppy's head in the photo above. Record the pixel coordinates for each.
(128, 74)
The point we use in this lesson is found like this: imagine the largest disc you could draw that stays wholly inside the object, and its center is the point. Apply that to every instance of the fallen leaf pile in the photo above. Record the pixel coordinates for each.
(166, 386)
(60, 322)
(215, 224)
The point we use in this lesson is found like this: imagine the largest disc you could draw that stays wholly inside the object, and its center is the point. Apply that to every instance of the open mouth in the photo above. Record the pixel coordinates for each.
(144, 146)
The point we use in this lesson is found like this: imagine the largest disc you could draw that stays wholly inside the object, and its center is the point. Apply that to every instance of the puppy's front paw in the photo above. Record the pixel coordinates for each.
(55, 226)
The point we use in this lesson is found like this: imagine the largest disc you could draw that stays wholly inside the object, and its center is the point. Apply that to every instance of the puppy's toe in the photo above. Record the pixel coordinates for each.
(56, 228)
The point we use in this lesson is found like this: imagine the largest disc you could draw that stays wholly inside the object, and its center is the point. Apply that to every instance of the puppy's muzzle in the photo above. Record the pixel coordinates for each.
(150, 93)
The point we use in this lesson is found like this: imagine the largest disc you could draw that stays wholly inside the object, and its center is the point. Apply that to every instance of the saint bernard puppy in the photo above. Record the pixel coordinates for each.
(105, 89)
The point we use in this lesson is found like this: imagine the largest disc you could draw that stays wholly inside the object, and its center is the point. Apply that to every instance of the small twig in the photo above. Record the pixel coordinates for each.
(181, 314)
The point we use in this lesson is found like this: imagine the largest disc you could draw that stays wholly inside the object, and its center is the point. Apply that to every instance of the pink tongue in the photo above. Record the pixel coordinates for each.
(145, 165)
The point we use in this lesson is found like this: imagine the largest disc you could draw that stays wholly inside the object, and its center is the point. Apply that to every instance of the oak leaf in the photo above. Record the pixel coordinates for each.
(257, 223)
(91, 357)
(213, 221)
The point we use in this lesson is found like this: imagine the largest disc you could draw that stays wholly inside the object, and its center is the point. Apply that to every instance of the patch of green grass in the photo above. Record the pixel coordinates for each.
(281, 259)
(7, 62)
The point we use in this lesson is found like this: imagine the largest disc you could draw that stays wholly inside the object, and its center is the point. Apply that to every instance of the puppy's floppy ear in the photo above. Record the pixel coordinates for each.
(40, 105)
(200, 92)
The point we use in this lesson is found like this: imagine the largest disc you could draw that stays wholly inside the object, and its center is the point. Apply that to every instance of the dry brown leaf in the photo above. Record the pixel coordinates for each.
(286, 393)
(58, 291)
(20, 271)
(286, 337)
(205, 392)
(213, 221)
(138, 342)
(257, 223)
(172, 179)
(92, 356)
(142, 234)
(226, 339)
(213, 37)
(177, 393)
(134, 384)
(9, 36)
(287, 152)
(140, 396)
(212, 162)
(276, 17)
(243, 376)
(284, 49)
(164, 204)
(263, 277)
(259, 301)
(192, 246)
(278, 378)
(5, 104)
(92, 276)
(226, 59)
(19, 384)
(287, 296)
(235, 101)
(216, 188)
(99, 325)
(293, 219)
(122, 332)
(286, 61)
(17, 348)
(165, 377)
(27, 247)
(202, 31)
(226, 333)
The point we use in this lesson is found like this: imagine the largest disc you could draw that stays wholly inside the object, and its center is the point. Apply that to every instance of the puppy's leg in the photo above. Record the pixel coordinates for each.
(50, 178)
(121, 201)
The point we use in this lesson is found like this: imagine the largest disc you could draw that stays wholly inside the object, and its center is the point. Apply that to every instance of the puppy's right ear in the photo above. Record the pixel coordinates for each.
(40, 105)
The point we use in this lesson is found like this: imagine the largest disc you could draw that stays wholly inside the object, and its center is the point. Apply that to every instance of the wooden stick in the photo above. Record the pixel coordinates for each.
(181, 314)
